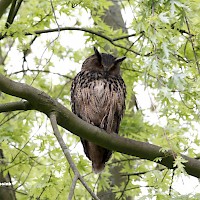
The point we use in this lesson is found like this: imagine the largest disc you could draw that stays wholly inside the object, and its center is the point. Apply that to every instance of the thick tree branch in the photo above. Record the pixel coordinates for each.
(3, 5)
(13, 12)
(69, 158)
(44, 103)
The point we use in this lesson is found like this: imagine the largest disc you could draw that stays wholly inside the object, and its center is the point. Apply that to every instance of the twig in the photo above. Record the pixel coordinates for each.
(52, 42)
(170, 188)
(141, 173)
(129, 189)
(71, 193)
(40, 71)
(23, 182)
(27, 51)
(195, 55)
(3, 58)
(4, 120)
(38, 198)
(134, 43)
(125, 187)
(127, 36)
(68, 157)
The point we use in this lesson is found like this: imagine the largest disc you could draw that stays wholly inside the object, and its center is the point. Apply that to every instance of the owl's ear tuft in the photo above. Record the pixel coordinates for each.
(119, 60)
(97, 54)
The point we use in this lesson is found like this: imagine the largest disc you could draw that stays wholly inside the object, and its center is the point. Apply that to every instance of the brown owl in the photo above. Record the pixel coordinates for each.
(98, 97)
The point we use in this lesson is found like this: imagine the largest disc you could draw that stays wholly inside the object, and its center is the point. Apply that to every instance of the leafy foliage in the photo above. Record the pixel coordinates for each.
(161, 70)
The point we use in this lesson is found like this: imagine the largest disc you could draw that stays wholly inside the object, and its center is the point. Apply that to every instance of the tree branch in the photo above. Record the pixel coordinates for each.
(71, 193)
(3, 5)
(13, 12)
(13, 106)
(193, 49)
(87, 30)
(40, 71)
(112, 41)
(69, 158)
(44, 103)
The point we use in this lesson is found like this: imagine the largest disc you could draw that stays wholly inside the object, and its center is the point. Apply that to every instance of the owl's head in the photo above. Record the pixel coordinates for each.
(103, 62)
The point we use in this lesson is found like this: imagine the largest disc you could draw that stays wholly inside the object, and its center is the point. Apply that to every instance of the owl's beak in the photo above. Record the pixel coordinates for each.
(105, 71)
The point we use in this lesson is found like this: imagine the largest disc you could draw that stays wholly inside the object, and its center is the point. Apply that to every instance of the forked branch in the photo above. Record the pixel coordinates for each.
(69, 159)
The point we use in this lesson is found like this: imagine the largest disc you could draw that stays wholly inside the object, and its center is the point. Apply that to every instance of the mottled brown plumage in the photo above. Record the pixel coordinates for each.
(98, 97)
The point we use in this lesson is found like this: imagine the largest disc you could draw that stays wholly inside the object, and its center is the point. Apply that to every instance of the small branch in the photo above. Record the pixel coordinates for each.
(69, 158)
(25, 179)
(125, 187)
(44, 188)
(141, 173)
(172, 180)
(14, 106)
(127, 36)
(41, 71)
(71, 193)
(134, 43)
(61, 142)
(6, 118)
(3, 58)
(27, 51)
(128, 189)
(194, 52)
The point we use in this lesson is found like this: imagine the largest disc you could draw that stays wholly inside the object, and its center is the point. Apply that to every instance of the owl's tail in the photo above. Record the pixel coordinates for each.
(98, 167)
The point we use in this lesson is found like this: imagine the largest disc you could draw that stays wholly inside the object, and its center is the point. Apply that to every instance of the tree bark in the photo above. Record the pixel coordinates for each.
(3, 6)
(7, 191)
(113, 18)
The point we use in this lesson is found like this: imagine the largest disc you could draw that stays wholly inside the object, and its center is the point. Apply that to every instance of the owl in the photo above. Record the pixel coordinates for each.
(98, 95)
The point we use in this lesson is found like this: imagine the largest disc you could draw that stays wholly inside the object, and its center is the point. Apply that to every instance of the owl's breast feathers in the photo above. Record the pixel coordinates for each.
(99, 100)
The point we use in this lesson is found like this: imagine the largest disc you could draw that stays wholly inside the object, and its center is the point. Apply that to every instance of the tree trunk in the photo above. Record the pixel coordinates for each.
(3, 5)
(6, 189)
(113, 18)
